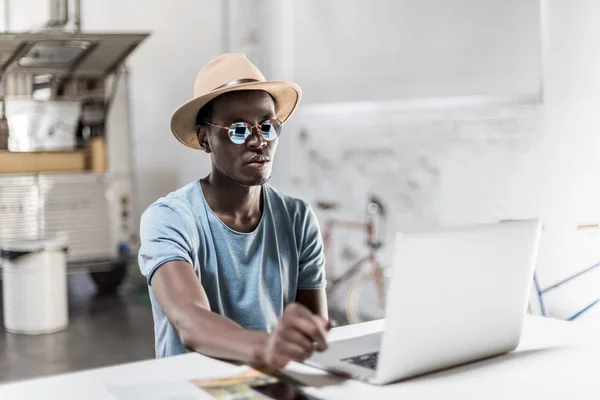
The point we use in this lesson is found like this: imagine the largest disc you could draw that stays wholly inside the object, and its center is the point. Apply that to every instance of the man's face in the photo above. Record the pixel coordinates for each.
(239, 161)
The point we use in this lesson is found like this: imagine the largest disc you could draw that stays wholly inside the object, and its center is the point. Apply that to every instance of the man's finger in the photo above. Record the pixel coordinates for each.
(280, 362)
(299, 309)
(322, 323)
(294, 352)
(300, 313)
(294, 336)
(310, 328)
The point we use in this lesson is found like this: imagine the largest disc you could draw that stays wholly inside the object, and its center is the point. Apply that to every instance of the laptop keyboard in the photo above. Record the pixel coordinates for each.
(368, 360)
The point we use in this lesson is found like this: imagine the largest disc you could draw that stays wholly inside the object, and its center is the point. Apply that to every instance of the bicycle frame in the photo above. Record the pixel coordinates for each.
(371, 257)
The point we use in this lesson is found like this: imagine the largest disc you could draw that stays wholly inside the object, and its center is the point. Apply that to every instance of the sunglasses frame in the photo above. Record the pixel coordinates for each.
(251, 127)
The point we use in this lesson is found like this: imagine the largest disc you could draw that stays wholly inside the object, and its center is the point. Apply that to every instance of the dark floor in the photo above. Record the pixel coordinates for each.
(103, 330)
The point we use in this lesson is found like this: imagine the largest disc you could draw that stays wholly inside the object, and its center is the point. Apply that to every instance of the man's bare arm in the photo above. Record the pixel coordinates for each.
(315, 300)
(186, 306)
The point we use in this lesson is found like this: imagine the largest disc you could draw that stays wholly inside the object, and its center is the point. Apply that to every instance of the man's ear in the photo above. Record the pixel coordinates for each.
(202, 138)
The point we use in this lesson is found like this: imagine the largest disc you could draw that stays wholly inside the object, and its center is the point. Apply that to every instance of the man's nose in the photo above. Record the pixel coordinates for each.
(256, 139)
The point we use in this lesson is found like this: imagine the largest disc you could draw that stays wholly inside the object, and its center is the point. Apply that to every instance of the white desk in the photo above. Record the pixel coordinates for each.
(555, 360)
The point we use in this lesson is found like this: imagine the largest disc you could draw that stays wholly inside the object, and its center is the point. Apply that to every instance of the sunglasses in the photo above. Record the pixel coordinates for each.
(239, 132)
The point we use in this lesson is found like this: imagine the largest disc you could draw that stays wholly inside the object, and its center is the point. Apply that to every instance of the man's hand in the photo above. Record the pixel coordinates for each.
(297, 335)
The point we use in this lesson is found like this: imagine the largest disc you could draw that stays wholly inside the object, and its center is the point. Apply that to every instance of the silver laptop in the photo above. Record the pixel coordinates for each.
(456, 296)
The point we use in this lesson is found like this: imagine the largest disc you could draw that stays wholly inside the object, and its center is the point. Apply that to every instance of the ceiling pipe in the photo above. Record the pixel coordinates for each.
(6, 16)
(77, 16)
(59, 13)
(225, 22)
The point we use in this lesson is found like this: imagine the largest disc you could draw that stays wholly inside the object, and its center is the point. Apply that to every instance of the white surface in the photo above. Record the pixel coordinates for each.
(35, 293)
(569, 188)
(434, 163)
(555, 360)
(399, 49)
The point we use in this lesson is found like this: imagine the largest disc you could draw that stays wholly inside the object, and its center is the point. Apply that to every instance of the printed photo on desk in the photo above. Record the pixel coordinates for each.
(236, 386)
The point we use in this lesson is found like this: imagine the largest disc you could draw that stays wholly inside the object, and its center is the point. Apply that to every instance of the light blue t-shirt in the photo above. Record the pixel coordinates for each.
(248, 277)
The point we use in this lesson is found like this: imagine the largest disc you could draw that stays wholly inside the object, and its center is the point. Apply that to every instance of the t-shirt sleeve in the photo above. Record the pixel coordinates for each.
(165, 236)
(312, 258)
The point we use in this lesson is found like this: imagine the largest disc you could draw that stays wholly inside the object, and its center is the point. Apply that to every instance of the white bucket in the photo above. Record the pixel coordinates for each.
(35, 286)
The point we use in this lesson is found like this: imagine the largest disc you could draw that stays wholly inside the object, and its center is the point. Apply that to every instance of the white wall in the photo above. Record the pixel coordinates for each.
(433, 163)
(571, 189)
(26, 14)
(345, 51)
(383, 50)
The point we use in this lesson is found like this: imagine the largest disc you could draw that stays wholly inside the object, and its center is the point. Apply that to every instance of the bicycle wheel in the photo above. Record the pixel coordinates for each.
(363, 302)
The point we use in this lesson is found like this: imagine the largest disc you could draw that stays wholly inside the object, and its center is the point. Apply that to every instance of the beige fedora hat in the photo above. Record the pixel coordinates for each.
(229, 73)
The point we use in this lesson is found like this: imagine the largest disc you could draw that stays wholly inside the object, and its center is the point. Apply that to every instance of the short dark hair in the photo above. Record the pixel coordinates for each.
(204, 114)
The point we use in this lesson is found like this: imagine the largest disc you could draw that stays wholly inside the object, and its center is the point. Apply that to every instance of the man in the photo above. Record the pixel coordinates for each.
(235, 269)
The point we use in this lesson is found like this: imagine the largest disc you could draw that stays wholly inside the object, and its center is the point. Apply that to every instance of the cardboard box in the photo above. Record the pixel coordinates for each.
(25, 163)
(96, 155)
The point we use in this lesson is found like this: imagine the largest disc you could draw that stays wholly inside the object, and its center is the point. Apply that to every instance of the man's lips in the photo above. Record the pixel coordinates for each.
(258, 161)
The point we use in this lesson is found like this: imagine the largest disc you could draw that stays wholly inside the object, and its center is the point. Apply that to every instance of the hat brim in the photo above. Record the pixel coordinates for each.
(287, 97)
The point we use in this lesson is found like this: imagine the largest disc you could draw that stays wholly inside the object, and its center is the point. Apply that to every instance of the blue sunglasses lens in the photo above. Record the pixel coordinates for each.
(271, 129)
(239, 132)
